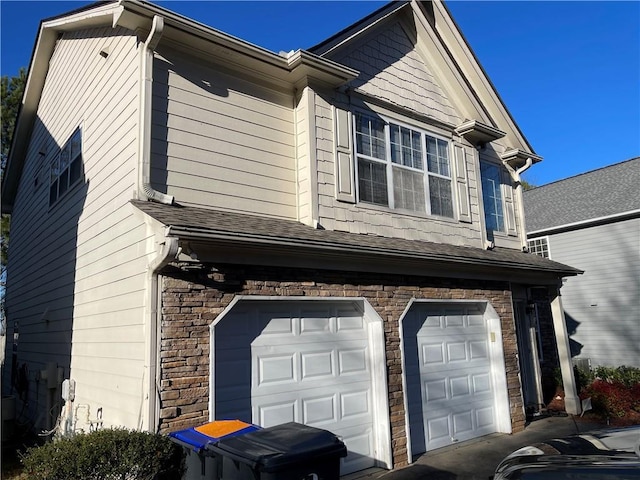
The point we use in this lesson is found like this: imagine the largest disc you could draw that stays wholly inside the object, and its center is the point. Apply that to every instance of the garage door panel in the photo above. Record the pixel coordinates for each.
(352, 361)
(361, 447)
(304, 363)
(276, 370)
(276, 413)
(319, 410)
(450, 395)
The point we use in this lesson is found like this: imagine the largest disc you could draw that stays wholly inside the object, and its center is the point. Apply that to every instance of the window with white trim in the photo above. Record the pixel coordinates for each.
(402, 167)
(66, 169)
(539, 246)
(492, 197)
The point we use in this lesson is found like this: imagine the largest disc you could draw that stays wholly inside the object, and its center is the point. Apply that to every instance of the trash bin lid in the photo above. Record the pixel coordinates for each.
(199, 437)
(275, 447)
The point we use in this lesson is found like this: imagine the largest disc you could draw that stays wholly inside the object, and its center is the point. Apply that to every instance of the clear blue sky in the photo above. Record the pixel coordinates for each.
(569, 72)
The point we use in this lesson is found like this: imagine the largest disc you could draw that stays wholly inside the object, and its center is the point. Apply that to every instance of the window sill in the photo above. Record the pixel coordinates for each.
(403, 213)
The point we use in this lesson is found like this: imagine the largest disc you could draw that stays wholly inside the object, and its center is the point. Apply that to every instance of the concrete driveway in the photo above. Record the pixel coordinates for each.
(477, 459)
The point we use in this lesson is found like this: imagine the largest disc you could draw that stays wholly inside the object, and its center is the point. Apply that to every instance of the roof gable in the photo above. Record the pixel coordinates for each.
(595, 195)
(392, 69)
(447, 58)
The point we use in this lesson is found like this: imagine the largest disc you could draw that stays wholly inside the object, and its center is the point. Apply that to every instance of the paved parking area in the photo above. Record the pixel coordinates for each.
(477, 459)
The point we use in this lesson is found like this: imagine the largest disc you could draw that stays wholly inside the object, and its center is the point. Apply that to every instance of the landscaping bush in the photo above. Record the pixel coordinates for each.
(612, 399)
(628, 376)
(111, 454)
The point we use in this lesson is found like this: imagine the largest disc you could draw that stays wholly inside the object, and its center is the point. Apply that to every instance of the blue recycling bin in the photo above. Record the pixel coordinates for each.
(202, 463)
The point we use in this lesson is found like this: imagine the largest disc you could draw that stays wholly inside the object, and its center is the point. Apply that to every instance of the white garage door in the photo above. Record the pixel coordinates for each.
(450, 394)
(308, 362)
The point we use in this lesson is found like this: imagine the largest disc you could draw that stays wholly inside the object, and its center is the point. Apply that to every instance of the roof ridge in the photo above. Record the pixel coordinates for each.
(584, 173)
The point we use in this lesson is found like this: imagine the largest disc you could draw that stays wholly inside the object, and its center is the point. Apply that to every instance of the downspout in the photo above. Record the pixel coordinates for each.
(515, 175)
(170, 250)
(146, 100)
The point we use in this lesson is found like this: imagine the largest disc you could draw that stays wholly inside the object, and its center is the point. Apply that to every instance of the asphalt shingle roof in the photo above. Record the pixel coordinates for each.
(188, 222)
(599, 193)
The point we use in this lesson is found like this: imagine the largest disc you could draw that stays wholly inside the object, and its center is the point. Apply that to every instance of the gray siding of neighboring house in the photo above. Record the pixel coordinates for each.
(602, 306)
(77, 268)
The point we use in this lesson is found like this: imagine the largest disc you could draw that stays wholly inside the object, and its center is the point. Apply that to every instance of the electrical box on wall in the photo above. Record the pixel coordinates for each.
(69, 390)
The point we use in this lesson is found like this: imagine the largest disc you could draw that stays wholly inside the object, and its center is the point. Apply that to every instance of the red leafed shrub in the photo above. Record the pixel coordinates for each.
(635, 397)
(613, 399)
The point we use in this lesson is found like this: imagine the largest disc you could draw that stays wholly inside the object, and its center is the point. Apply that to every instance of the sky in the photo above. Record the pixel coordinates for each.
(568, 71)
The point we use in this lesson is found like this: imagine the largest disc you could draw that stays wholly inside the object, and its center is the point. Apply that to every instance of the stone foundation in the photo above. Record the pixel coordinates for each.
(192, 298)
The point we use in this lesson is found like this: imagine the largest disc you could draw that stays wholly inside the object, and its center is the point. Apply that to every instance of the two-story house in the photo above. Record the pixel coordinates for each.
(592, 221)
(203, 229)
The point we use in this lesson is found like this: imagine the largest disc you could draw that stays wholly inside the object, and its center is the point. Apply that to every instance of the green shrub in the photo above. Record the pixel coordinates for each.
(628, 376)
(583, 377)
(111, 454)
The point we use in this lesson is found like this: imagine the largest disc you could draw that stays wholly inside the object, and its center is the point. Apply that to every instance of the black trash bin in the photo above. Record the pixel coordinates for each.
(201, 463)
(290, 451)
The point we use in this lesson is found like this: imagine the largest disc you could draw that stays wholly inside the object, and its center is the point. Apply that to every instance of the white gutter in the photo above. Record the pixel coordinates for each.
(170, 250)
(145, 107)
(515, 175)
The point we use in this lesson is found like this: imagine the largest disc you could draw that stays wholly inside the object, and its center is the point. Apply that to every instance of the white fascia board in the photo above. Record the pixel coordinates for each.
(583, 224)
(359, 28)
(304, 64)
(138, 14)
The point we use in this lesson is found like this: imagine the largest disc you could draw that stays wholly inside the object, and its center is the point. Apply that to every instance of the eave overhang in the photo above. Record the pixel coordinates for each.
(517, 159)
(478, 133)
(227, 229)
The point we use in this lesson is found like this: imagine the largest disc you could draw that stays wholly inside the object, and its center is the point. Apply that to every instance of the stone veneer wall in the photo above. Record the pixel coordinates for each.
(193, 298)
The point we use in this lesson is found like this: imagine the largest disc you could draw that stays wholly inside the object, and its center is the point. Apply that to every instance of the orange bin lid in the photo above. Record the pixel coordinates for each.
(221, 428)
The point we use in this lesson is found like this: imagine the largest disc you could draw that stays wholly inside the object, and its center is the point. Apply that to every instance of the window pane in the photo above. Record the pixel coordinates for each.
(408, 189)
(53, 192)
(492, 196)
(443, 158)
(406, 148)
(372, 182)
(432, 155)
(438, 156)
(63, 181)
(440, 196)
(75, 145)
(75, 170)
(55, 170)
(64, 157)
(370, 135)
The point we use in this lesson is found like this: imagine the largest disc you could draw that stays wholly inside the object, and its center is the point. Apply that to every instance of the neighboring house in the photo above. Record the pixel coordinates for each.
(592, 221)
(205, 229)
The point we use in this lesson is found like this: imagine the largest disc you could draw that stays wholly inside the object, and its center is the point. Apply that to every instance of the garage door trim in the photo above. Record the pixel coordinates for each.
(378, 364)
(496, 352)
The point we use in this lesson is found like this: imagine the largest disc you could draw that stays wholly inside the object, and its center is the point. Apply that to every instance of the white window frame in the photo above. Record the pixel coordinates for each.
(389, 165)
(61, 171)
(543, 243)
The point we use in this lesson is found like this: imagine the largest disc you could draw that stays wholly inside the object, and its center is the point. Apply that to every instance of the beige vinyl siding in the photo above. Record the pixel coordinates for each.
(391, 69)
(304, 146)
(226, 143)
(77, 269)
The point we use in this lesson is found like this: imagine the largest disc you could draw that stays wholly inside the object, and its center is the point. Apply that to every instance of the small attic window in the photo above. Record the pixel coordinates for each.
(66, 169)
